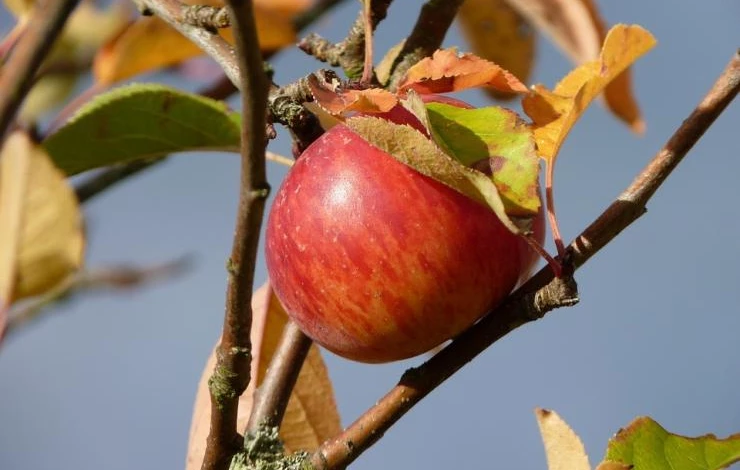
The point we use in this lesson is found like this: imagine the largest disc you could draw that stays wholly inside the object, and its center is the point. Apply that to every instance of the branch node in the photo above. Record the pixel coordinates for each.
(207, 17)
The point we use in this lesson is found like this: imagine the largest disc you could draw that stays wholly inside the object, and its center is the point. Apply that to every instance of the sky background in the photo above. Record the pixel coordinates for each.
(108, 382)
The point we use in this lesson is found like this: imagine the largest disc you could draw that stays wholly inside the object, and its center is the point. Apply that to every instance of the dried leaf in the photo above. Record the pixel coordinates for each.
(555, 112)
(563, 448)
(645, 444)
(150, 44)
(311, 416)
(497, 32)
(50, 243)
(412, 148)
(336, 101)
(448, 71)
(578, 29)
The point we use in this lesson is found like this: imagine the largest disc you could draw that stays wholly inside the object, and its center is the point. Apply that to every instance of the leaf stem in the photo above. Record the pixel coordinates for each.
(232, 372)
(45, 25)
(536, 297)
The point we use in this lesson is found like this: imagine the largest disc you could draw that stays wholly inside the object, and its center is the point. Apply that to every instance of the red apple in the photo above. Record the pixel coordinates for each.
(377, 262)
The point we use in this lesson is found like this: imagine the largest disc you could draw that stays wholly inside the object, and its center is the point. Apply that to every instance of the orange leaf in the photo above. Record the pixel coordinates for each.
(578, 29)
(150, 44)
(448, 71)
(497, 32)
(555, 112)
(337, 101)
(311, 416)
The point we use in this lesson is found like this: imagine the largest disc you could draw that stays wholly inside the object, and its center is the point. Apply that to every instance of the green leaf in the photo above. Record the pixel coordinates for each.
(411, 147)
(497, 139)
(141, 122)
(644, 444)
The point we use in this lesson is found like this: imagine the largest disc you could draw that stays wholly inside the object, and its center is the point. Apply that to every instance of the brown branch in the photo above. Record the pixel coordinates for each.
(271, 399)
(232, 372)
(175, 13)
(47, 21)
(429, 31)
(349, 53)
(530, 301)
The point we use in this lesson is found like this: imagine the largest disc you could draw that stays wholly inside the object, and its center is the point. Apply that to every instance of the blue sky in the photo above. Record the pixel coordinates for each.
(108, 381)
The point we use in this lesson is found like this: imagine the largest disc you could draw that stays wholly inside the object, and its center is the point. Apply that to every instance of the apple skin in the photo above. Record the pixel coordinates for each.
(377, 262)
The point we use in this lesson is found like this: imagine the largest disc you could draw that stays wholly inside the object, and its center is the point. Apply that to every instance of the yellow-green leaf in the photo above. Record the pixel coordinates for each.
(645, 444)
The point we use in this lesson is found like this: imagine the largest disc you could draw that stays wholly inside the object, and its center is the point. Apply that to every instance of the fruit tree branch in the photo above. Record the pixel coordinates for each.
(175, 14)
(232, 372)
(429, 31)
(530, 301)
(47, 21)
(271, 398)
(350, 52)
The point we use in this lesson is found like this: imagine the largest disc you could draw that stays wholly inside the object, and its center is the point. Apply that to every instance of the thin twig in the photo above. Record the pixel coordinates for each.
(116, 278)
(173, 12)
(349, 53)
(271, 399)
(531, 300)
(47, 21)
(429, 31)
(232, 372)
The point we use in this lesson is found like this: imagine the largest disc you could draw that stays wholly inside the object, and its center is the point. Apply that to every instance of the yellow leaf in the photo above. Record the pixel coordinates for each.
(150, 44)
(554, 112)
(50, 243)
(578, 29)
(311, 416)
(563, 448)
(497, 32)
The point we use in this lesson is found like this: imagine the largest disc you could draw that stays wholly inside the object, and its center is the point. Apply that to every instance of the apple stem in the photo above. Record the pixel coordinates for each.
(550, 202)
(367, 72)
(555, 265)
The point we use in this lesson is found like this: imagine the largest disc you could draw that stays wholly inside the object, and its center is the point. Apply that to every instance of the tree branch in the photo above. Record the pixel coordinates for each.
(349, 53)
(429, 31)
(175, 14)
(271, 399)
(232, 375)
(530, 301)
(47, 21)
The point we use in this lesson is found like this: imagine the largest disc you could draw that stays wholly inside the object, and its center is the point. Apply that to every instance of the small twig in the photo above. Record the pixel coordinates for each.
(46, 23)
(271, 398)
(541, 293)
(429, 31)
(274, 157)
(349, 53)
(232, 372)
(173, 12)
(115, 277)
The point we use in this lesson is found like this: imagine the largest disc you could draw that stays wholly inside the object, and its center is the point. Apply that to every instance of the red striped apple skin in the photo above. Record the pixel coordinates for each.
(377, 262)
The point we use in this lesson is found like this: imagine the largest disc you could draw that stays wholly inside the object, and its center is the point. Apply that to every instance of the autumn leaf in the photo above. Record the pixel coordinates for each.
(563, 447)
(497, 32)
(311, 416)
(336, 101)
(645, 444)
(150, 44)
(577, 28)
(554, 112)
(41, 230)
(448, 71)
(412, 148)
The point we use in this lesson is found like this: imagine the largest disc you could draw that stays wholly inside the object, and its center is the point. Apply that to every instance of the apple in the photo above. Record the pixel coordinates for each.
(377, 262)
